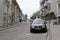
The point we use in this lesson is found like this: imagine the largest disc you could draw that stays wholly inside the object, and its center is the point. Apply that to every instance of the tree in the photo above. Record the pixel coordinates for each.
(51, 15)
(36, 14)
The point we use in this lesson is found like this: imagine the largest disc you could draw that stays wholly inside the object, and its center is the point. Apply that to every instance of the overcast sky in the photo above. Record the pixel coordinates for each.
(29, 6)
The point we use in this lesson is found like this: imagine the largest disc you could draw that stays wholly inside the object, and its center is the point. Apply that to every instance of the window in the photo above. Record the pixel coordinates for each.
(6, 2)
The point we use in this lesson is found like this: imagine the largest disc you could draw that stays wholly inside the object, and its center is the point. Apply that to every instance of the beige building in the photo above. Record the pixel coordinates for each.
(16, 9)
(9, 12)
(58, 11)
(1, 19)
(55, 7)
(3, 12)
(44, 7)
(52, 6)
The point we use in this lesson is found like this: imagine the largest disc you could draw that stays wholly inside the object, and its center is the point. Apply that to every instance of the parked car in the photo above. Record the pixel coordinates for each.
(38, 24)
(31, 20)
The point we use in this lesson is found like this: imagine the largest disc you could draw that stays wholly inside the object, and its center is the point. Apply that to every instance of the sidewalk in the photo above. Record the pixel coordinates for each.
(12, 26)
(54, 33)
(9, 26)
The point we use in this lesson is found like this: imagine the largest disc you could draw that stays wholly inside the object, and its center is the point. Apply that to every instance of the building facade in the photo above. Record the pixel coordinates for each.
(16, 10)
(44, 7)
(9, 12)
(55, 7)
(58, 11)
(1, 8)
(3, 12)
(50, 6)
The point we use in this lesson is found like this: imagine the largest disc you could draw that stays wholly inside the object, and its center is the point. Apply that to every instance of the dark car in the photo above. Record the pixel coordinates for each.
(38, 24)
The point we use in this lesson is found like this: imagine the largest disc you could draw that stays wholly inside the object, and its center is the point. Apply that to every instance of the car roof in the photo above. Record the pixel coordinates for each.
(38, 19)
(41, 20)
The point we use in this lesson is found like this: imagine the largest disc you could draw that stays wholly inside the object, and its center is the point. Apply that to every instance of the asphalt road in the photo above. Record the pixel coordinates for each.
(21, 32)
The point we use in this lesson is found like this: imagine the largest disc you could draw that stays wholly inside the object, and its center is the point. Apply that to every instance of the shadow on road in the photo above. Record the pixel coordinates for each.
(40, 32)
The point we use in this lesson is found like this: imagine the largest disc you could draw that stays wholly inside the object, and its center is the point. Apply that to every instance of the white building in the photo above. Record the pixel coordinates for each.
(55, 7)
(58, 11)
(45, 7)
(7, 9)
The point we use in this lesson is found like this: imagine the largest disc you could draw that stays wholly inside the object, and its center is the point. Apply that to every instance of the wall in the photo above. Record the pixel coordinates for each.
(54, 6)
(1, 11)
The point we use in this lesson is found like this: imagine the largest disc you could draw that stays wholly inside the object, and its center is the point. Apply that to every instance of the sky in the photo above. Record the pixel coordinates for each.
(29, 6)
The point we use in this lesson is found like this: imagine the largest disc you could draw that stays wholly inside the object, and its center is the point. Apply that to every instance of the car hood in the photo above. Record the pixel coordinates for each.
(37, 24)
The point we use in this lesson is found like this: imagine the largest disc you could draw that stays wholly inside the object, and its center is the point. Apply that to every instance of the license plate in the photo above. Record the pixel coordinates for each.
(38, 28)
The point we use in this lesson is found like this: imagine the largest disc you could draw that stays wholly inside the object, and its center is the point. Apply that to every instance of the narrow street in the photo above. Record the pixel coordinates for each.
(21, 32)
(34, 14)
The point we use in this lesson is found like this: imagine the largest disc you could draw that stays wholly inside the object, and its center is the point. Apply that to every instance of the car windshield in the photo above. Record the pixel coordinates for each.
(38, 22)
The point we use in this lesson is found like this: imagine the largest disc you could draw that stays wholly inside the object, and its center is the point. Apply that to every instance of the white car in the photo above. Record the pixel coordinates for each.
(38, 24)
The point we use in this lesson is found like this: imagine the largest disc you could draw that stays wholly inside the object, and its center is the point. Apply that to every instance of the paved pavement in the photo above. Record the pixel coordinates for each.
(53, 32)
(55, 29)
(9, 26)
(21, 32)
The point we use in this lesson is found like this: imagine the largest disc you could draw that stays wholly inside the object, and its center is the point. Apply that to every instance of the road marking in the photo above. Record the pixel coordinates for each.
(45, 34)
(27, 34)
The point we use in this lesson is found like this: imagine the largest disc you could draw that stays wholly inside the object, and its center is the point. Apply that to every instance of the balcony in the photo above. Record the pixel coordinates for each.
(48, 6)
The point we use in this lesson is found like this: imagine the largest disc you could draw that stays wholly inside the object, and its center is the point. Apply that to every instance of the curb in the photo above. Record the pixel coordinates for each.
(2, 29)
(6, 28)
(48, 35)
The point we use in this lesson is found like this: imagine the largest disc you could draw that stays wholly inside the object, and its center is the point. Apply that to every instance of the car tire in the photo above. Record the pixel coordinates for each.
(31, 30)
(45, 29)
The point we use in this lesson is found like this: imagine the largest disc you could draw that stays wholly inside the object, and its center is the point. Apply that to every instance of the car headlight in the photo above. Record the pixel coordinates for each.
(32, 26)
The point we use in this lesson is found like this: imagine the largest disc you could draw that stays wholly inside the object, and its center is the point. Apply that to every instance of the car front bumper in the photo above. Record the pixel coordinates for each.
(38, 28)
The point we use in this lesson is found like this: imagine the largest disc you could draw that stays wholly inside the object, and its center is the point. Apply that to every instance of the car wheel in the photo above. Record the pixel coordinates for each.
(45, 29)
(31, 30)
